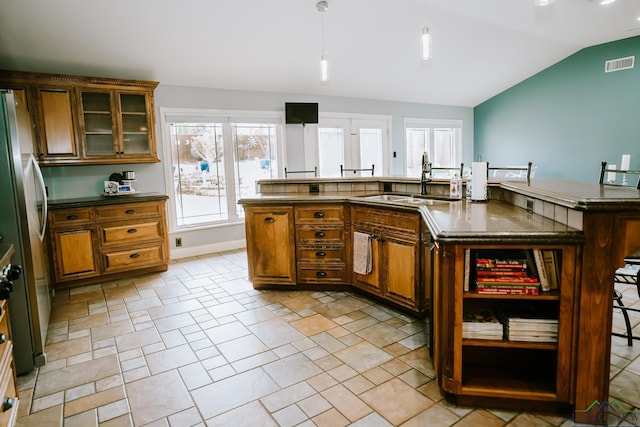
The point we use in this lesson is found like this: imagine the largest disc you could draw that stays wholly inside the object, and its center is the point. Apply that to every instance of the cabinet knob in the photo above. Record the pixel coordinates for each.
(320, 234)
(130, 211)
(318, 214)
(3, 338)
(320, 254)
(134, 256)
(72, 216)
(132, 230)
(8, 403)
(269, 219)
(321, 274)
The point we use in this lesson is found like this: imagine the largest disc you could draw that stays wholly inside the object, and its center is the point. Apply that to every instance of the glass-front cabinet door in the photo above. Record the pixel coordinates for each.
(118, 125)
(99, 129)
(135, 124)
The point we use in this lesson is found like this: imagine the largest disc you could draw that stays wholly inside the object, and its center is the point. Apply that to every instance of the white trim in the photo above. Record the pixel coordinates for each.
(179, 253)
(443, 122)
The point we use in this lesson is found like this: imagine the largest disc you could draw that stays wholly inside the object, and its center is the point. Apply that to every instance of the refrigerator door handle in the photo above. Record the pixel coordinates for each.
(38, 173)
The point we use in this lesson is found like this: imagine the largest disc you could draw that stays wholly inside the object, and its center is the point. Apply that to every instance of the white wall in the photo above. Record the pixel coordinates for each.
(86, 181)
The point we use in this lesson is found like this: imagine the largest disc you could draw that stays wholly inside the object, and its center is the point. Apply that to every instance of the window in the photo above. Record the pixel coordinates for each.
(216, 160)
(440, 138)
(354, 142)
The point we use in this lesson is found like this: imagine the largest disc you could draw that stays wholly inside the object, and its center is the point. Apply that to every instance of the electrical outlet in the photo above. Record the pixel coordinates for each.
(178, 242)
(530, 205)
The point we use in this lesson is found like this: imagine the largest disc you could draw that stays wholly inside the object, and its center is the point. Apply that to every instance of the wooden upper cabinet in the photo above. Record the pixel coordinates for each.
(55, 123)
(117, 125)
(88, 120)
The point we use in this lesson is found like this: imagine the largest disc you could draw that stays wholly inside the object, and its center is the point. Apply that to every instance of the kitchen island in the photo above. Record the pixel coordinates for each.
(588, 227)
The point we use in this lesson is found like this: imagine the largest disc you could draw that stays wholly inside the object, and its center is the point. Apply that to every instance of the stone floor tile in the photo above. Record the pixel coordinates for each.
(480, 418)
(413, 402)
(72, 376)
(292, 370)
(232, 393)
(330, 418)
(171, 358)
(346, 402)
(249, 415)
(287, 396)
(313, 324)
(84, 419)
(93, 401)
(51, 417)
(157, 397)
(363, 356)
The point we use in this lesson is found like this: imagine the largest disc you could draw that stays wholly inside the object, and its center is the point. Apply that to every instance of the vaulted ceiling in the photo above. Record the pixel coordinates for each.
(480, 47)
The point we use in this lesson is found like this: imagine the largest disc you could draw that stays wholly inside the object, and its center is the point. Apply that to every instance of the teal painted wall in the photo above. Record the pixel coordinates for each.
(568, 118)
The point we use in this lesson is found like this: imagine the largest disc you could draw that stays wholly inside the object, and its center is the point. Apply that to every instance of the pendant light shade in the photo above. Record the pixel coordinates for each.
(322, 7)
(324, 68)
(426, 43)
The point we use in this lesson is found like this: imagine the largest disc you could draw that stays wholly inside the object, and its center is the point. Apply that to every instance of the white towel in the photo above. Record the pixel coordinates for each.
(362, 259)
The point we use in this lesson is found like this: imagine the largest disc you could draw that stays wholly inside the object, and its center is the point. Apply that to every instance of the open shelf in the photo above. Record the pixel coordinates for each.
(530, 369)
(469, 342)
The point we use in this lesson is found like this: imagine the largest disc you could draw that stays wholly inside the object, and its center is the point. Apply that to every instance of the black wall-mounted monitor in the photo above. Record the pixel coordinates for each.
(301, 112)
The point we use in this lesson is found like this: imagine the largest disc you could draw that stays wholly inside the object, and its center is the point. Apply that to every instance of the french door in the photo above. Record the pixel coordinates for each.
(354, 143)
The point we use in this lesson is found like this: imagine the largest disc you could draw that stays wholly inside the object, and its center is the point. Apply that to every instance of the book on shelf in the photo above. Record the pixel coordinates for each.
(542, 271)
(467, 269)
(481, 323)
(526, 315)
(532, 338)
(552, 268)
(515, 280)
(495, 272)
(508, 291)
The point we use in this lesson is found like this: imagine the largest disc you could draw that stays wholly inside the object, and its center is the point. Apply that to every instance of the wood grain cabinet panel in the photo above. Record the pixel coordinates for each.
(57, 123)
(396, 254)
(8, 389)
(106, 242)
(88, 120)
(270, 245)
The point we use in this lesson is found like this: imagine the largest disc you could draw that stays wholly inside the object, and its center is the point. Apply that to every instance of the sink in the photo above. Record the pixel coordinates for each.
(408, 199)
(387, 197)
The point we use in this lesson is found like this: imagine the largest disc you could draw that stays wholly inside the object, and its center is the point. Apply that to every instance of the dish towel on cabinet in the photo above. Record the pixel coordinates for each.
(362, 262)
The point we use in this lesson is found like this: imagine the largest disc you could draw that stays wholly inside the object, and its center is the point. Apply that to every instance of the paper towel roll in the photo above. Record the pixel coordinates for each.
(479, 181)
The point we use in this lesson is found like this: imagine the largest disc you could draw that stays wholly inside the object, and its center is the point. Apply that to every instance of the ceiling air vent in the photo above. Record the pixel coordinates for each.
(619, 64)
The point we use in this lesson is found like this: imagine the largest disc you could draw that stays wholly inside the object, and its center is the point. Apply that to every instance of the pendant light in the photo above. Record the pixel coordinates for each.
(425, 38)
(322, 7)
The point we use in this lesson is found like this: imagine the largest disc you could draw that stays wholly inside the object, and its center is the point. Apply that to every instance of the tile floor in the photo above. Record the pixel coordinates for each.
(197, 345)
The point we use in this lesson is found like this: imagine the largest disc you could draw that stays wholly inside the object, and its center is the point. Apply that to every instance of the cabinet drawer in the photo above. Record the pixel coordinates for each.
(133, 258)
(319, 214)
(4, 332)
(388, 219)
(317, 234)
(321, 274)
(136, 232)
(128, 211)
(9, 397)
(321, 255)
(70, 217)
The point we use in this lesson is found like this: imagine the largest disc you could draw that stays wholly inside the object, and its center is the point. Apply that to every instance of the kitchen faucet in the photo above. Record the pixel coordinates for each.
(426, 173)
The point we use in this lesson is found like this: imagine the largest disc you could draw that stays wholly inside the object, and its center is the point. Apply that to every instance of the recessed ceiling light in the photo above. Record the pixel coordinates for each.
(605, 2)
(543, 2)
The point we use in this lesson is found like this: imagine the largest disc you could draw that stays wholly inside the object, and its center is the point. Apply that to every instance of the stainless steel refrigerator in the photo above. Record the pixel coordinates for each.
(23, 218)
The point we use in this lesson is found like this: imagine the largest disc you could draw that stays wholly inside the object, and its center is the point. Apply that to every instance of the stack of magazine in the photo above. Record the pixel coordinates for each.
(481, 323)
(506, 272)
(524, 325)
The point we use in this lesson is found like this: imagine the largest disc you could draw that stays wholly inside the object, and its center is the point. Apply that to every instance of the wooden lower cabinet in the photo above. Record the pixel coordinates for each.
(270, 245)
(321, 243)
(74, 254)
(396, 253)
(90, 244)
(8, 386)
(509, 372)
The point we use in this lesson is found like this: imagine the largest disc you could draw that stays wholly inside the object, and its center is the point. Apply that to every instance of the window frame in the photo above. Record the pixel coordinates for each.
(227, 118)
(429, 123)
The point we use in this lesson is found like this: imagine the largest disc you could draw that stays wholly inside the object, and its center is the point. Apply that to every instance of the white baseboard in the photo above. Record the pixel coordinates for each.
(178, 253)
